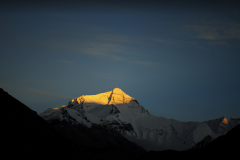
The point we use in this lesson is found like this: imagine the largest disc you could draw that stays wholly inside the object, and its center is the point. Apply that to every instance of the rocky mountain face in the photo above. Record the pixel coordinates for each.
(208, 139)
(118, 113)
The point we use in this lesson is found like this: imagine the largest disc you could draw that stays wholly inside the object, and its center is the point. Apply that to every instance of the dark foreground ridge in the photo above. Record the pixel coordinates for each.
(28, 136)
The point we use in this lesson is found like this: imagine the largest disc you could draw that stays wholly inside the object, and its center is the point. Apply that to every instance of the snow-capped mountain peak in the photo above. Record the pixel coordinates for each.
(116, 96)
(121, 112)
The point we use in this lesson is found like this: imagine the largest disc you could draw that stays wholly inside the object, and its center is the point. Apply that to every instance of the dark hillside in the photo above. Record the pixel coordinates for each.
(27, 135)
(228, 143)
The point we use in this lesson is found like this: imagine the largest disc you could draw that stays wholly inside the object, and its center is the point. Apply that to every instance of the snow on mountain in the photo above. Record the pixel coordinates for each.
(116, 109)
(222, 125)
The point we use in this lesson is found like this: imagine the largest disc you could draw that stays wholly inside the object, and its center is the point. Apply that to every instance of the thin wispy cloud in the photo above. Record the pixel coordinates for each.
(217, 43)
(173, 42)
(115, 47)
(215, 30)
(31, 91)
(45, 94)
(206, 32)
(115, 52)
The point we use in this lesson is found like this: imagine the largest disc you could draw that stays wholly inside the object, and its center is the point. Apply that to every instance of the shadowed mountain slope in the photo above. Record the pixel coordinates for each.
(98, 137)
(27, 135)
(226, 146)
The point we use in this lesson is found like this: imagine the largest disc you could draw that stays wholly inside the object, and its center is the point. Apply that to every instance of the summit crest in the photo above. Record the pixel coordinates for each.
(116, 96)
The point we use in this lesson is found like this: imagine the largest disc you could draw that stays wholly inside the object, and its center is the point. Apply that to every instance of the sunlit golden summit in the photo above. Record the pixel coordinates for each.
(116, 96)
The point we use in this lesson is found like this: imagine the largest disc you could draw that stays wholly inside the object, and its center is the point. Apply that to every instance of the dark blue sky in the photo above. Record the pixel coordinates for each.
(179, 60)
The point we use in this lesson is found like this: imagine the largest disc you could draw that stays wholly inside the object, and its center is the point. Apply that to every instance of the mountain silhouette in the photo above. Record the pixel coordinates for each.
(28, 136)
